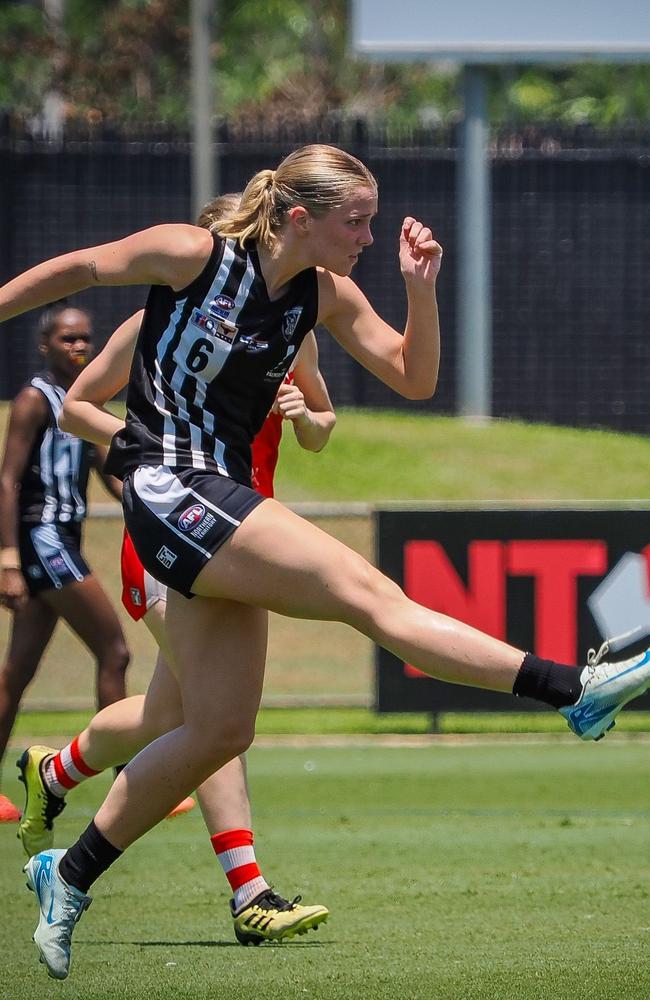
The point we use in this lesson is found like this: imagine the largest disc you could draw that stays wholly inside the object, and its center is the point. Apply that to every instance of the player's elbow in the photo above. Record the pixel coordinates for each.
(66, 419)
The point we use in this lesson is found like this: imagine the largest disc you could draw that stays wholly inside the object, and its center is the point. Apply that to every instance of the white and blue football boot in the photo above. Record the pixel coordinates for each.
(61, 906)
(606, 688)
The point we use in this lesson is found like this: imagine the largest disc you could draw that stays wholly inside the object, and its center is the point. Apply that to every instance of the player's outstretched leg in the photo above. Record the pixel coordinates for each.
(269, 917)
(259, 565)
(606, 688)
(36, 827)
(60, 905)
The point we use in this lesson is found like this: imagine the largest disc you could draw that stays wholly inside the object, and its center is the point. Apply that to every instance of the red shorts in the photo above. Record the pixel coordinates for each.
(140, 591)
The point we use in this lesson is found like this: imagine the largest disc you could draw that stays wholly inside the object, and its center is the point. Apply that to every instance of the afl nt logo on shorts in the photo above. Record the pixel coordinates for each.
(191, 517)
(166, 557)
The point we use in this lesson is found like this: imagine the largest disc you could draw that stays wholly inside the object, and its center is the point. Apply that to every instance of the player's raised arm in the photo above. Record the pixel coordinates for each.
(84, 413)
(163, 255)
(409, 363)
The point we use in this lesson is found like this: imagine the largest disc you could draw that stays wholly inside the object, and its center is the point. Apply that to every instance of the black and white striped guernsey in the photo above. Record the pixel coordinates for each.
(207, 366)
(53, 485)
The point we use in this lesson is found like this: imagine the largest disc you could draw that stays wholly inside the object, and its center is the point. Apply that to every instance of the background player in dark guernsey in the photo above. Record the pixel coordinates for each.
(43, 481)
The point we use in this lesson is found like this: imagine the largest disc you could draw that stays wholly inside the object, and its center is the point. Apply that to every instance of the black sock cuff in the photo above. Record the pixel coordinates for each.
(86, 860)
(556, 684)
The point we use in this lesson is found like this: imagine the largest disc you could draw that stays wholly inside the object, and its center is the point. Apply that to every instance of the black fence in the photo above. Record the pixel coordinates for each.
(571, 242)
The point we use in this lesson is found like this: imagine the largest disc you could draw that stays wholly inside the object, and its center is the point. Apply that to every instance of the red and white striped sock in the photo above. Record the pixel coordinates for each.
(236, 854)
(66, 770)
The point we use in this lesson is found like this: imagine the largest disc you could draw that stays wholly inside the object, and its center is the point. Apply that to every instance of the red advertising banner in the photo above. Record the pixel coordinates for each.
(552, 581)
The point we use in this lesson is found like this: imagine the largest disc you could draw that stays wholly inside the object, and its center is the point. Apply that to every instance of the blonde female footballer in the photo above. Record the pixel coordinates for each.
(223, 321)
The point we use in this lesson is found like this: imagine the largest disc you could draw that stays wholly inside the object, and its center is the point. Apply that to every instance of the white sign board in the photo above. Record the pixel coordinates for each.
(491, 31)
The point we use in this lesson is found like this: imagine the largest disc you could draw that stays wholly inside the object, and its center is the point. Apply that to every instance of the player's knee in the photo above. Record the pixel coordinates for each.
(369, 595)
(116, 657)
(223, 743)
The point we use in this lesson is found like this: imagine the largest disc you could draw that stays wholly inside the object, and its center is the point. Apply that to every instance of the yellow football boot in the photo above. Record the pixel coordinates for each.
(36, 829)
(269, 917)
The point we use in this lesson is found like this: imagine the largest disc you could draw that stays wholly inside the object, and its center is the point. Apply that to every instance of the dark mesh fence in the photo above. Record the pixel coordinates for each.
(571, 225)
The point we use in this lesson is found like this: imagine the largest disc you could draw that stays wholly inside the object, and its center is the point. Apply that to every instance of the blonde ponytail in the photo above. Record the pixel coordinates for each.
(317, 177)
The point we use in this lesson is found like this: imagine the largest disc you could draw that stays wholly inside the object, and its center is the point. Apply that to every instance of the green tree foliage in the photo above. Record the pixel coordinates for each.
(126, 62)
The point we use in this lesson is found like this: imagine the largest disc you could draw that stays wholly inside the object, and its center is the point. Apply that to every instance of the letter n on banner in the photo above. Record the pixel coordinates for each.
(431, 580)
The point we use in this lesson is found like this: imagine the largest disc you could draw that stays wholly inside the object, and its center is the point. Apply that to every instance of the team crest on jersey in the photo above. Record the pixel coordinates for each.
(220, 328)
(136, 597)
(290, 322)
(221, 306)
(191, 517)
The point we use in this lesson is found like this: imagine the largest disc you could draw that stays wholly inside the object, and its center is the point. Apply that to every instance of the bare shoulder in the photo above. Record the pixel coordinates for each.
(29, 406)
(335, 295)
(181, 240)
(169, 254)
(30, 398)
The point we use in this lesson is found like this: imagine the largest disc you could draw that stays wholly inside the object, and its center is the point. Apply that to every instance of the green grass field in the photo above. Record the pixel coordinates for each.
(505, 869)
(517, 872)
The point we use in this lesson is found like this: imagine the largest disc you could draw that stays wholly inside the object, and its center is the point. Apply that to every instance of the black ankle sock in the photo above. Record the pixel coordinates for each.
(556, 684)
(87, 859)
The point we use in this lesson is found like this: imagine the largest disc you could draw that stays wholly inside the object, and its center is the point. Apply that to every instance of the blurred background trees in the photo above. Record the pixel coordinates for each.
(125, 63)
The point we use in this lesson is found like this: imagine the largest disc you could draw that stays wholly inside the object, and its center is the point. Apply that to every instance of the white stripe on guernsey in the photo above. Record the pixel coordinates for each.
(236, 857)
(47, 477)
(169, 434)
(76, 446)
(217, 362)
(62, 462)
(221, 277)
(49, 391)
(62, 467)
(198, 458)
(219, 456)
(240, 298)
(219, 451)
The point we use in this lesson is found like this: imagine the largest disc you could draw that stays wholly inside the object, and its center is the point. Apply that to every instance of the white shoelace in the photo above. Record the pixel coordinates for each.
(594, 658)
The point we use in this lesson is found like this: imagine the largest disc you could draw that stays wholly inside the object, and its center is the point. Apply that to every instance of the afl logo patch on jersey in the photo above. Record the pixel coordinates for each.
(290, 322)
(221, 306)
(191, 517)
